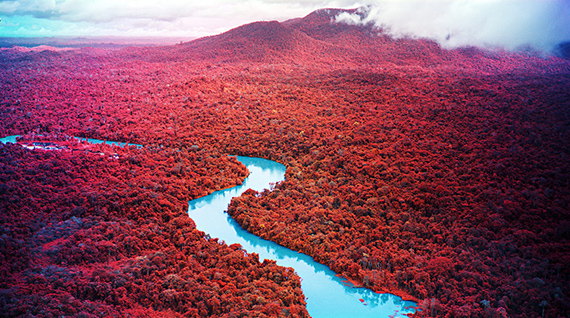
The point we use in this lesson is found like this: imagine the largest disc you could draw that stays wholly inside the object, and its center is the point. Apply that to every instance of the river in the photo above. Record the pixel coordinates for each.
(327, 294)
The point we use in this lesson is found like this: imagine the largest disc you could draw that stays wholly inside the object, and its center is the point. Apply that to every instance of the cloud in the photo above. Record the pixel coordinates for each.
(38, 8)
(151, 17)
(453, 23)
(511, 24)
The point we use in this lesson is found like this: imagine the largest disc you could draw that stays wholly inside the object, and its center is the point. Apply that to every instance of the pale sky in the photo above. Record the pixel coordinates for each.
(146, 17)
(507, 23)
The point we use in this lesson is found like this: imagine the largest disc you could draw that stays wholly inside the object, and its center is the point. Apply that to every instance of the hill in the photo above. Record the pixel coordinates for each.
(439, 175)
(319, 40)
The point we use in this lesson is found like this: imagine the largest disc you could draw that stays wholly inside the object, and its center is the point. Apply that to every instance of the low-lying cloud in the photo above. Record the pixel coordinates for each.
(511, 24)
(507, 23)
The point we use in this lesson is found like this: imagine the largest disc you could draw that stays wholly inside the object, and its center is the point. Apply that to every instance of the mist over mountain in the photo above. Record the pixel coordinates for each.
(509, 24)
(435, 172)
(327, 37)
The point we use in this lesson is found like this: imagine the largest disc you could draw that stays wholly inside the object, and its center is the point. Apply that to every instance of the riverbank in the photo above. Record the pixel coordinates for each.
(85, 234)
(327, 294)
(439, 173)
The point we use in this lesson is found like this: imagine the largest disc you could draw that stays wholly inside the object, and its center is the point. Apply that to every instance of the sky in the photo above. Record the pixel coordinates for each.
(512, 24)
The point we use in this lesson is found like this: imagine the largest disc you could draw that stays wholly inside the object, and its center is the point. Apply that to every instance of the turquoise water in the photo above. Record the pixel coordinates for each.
(8, 139)
(12, 139)
(327, 294)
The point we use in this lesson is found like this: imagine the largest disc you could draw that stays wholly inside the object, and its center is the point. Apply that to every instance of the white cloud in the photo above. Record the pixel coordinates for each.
(506, 23)
(157, 17)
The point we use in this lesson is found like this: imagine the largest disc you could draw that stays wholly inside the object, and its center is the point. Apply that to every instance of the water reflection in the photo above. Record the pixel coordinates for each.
(327, 294)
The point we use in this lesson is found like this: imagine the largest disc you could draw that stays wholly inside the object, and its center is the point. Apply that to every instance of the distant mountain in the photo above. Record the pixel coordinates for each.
(317, 39)
(106, 42)
(267, 42)
(313, 39)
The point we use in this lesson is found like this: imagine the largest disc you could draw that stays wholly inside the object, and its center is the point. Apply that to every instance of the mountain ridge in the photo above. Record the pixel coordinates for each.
(313, 39)
(316, 40)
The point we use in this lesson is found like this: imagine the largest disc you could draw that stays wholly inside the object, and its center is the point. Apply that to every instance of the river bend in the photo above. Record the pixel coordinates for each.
(327, 294)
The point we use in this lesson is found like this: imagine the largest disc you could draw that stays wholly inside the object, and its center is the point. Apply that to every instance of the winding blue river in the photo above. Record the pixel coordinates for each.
(327, 295)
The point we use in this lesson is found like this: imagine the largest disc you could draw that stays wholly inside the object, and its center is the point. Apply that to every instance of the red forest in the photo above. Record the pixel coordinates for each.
(438, 175)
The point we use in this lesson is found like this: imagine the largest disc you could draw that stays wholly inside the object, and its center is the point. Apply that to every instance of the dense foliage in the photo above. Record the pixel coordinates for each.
(103, 231)
(438, 175)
